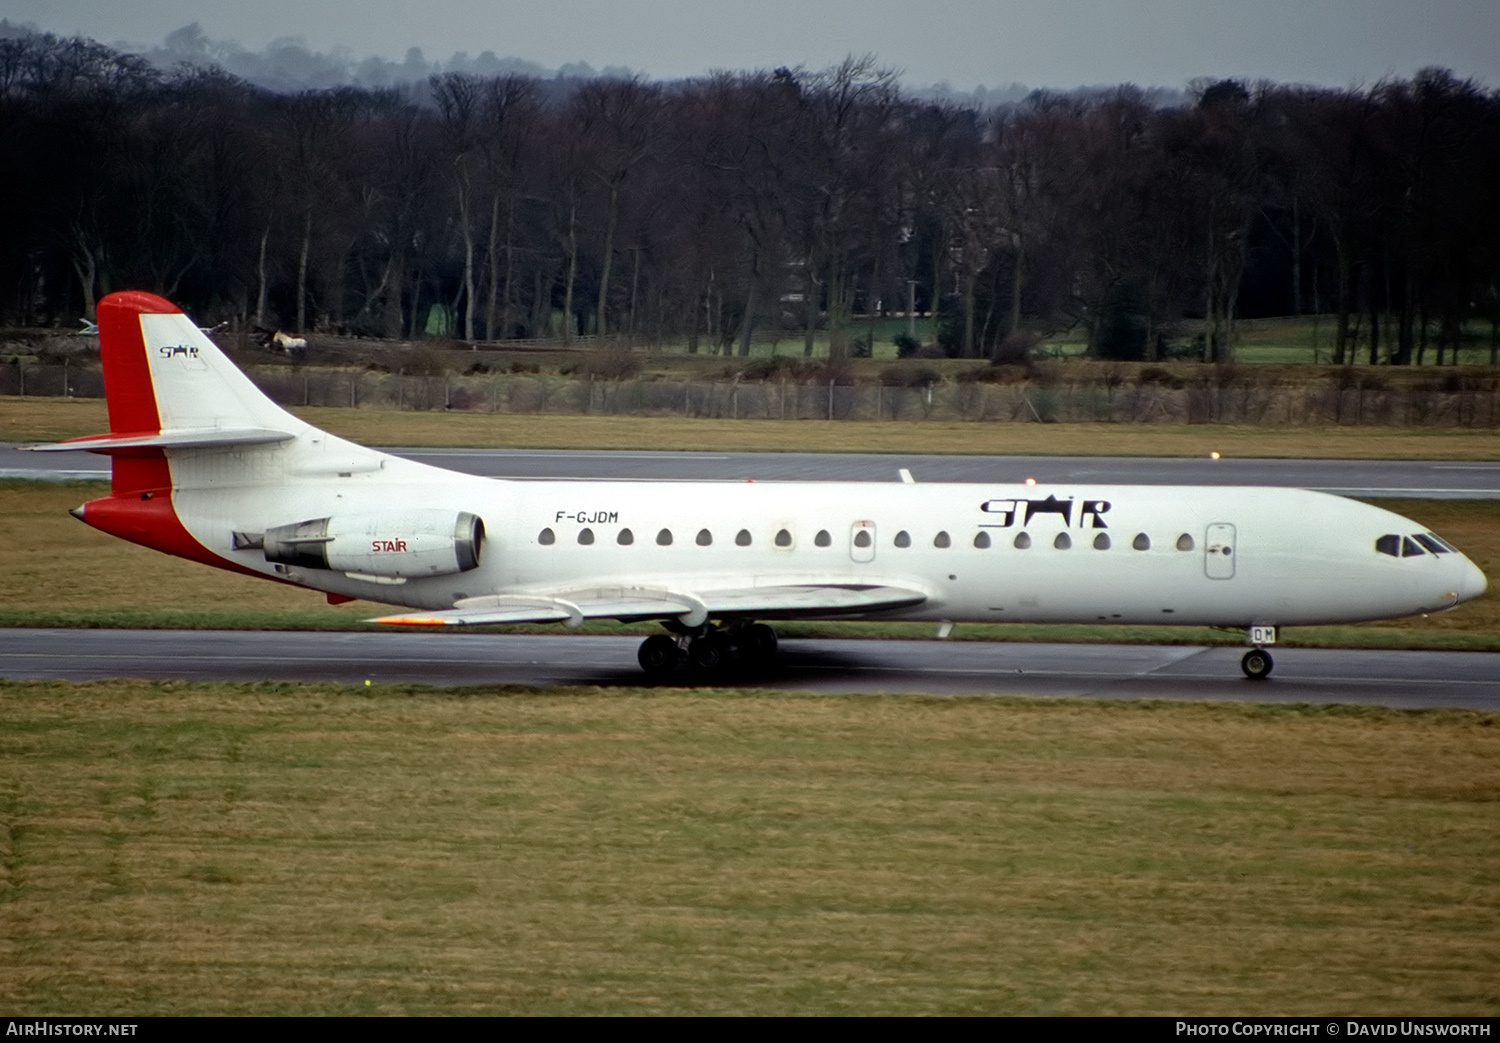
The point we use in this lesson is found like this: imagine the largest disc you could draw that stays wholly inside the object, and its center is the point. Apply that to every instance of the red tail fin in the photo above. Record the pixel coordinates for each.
(128, 391)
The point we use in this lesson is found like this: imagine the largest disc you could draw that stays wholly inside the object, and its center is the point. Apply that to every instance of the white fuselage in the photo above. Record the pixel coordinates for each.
(1074, 553)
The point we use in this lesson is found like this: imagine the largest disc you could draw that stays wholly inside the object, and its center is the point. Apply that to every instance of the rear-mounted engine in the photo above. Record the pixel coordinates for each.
(396, 545)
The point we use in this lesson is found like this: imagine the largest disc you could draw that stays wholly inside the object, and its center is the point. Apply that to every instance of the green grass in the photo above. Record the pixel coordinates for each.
(41, 420)
(313, 849)
(1286, 340)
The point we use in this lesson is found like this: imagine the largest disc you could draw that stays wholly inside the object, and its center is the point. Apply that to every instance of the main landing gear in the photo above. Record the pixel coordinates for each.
(1257, 662)
(708, 650)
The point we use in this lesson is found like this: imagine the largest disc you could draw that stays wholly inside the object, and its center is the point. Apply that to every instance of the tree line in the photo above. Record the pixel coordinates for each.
(707, 211)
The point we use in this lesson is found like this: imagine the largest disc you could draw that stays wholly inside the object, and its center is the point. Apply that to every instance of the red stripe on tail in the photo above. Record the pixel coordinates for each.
(128, 391)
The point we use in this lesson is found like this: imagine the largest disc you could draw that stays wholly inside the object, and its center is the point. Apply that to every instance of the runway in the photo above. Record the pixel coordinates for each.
(1390, 678)
(1404, 679)
(1416, 479)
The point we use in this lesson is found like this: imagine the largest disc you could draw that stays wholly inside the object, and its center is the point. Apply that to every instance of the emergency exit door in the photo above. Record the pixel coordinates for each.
(1218, 547)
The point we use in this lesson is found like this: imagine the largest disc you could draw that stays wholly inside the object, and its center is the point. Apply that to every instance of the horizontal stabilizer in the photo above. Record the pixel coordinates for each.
(194, 438)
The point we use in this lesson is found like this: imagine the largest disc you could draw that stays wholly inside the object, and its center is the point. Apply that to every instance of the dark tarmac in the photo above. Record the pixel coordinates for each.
(1405, 679)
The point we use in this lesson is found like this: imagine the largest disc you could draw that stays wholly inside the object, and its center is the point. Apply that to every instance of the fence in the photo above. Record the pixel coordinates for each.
(1447, 401)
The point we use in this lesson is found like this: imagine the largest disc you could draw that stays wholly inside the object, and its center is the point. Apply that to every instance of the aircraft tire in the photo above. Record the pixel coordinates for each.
(756, 645)
(709, 654)
(658, 655)
(1257, 664)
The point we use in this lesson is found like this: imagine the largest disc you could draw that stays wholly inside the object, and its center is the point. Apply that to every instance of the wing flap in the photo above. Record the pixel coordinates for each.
(471, 617)
(631, 604)
(809, 600)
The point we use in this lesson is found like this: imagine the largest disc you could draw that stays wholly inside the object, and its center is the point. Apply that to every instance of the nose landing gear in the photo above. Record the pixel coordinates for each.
(1257, 662)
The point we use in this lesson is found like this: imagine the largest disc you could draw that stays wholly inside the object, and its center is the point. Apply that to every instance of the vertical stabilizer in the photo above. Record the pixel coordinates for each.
(167, 386)
(163, 375)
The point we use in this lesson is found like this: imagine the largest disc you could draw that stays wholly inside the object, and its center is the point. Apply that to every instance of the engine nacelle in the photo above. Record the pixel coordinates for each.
(409, 544)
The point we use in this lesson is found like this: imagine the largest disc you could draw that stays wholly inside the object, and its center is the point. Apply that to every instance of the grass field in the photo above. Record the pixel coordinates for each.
(185, 849)
(40, 420)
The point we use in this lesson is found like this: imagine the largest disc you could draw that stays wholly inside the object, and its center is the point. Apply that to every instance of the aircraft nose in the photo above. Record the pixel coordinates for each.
(1473, 582)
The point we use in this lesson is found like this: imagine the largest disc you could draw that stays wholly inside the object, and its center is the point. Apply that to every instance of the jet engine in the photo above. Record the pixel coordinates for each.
(398, 545)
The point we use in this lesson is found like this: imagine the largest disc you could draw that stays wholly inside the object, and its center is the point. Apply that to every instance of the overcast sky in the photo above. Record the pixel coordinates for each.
(966, 43)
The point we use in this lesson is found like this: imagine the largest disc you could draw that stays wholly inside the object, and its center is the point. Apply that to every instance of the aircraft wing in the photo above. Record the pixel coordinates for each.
(632, 604)
(809, 600)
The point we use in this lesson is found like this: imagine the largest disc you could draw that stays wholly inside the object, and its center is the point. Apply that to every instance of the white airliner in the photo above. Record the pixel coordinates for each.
(206, 467)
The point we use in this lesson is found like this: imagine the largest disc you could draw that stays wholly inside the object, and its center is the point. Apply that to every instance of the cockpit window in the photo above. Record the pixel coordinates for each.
(1409, 548)
(1443, 543)
(1430, 542)
(1389, 544)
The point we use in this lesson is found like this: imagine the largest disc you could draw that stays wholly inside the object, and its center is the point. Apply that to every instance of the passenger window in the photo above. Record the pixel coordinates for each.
(1101, 541)
(1389, 544)
(1409, 548)
(941, 540)
(822, 539)
(903, 538)
(546, 537)
(1141, 542)
(783, 538)
(1023, 541)
(982, 540)
(1430, 543)
(626, 538)
(585, 536)
(705, 538)
(742, 538)
(664, 538)
(1063, 541)
(1184, 542)
(862, 538)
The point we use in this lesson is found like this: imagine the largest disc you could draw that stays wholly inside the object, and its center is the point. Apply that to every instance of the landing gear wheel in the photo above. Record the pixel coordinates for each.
(1257, 664)
(709, 653)
(756, 645)
(658, 655)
